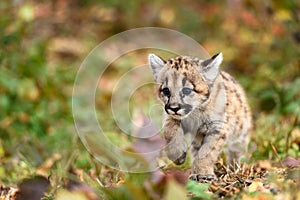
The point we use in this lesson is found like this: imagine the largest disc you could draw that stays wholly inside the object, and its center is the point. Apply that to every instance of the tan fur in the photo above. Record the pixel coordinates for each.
(215, 112)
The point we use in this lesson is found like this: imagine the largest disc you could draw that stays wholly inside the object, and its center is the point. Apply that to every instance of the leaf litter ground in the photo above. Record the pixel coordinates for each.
(262, 180)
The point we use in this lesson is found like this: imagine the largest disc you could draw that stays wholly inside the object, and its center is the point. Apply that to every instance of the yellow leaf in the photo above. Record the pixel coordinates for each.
(66, 195)
(175, 191)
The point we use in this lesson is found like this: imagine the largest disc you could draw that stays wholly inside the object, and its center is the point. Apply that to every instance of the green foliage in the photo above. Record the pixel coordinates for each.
(198, 190)
(283, 99)
(32, 106)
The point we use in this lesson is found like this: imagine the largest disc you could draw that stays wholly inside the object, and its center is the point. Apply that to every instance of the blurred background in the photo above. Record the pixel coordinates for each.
(44, 42)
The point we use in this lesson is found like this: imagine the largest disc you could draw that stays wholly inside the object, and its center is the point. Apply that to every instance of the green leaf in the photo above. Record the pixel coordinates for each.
(198, 189)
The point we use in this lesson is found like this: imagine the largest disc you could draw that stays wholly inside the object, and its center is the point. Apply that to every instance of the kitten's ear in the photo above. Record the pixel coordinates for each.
(156, 64)
(210, 67)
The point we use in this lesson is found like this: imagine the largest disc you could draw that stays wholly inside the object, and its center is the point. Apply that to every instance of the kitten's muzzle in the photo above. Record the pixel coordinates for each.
(179, 110)
(172, 108)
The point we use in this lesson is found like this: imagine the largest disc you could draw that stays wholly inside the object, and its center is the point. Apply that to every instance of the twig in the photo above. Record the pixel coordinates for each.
(276, 154)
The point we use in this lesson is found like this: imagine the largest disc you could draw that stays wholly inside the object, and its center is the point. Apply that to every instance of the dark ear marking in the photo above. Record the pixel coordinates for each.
(162, 59)
(215, 56)
(210, 67)
(208, 61)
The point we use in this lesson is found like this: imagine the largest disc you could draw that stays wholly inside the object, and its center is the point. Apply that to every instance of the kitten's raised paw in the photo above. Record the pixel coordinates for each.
(181, 159)
(203, 178)
(176, 151)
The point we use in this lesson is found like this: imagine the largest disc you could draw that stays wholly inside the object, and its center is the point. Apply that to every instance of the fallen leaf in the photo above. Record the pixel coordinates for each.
(256, 187)
(180, 176)
(161, 179)
(175, 191)
(290, 162)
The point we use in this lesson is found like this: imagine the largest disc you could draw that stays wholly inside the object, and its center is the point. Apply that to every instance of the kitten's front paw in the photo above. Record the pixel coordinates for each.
(176, 152)
(181, 159)
(207, 178)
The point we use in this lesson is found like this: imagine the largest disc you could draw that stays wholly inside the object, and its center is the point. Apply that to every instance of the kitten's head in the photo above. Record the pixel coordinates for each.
(184, 82)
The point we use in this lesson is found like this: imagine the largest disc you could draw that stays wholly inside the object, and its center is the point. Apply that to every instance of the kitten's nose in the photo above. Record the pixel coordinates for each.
(174, 108)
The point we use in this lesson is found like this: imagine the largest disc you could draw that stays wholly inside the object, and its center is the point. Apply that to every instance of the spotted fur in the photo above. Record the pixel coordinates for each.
(205, 102)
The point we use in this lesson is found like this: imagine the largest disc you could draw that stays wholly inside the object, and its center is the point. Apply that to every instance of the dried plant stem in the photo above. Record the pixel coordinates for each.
(276, 154)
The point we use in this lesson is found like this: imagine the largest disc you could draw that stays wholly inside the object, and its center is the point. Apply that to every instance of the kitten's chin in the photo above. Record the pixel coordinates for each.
(179, 116)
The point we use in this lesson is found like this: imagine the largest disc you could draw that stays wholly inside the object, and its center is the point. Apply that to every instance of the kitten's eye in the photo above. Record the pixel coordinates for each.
(166, 91)
(186, 91)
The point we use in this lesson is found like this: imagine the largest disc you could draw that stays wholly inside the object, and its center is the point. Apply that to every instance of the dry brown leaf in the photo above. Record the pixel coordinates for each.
(291, 162)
